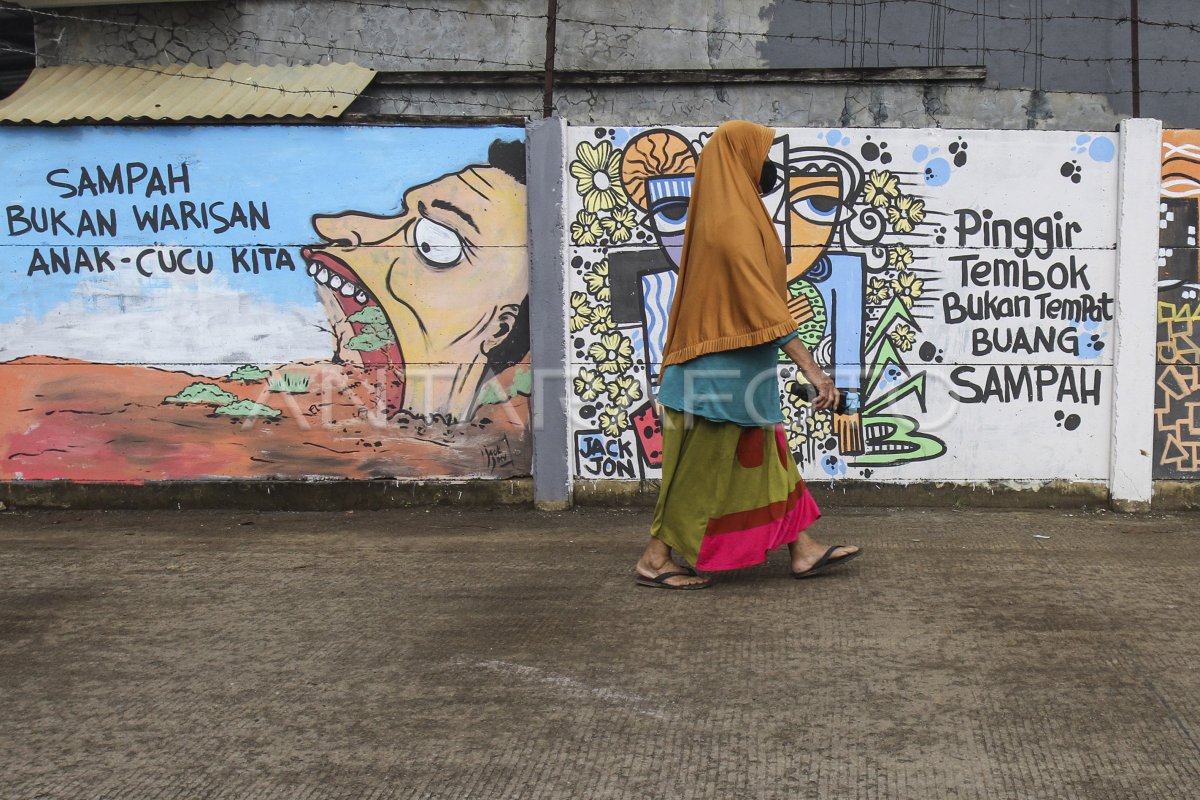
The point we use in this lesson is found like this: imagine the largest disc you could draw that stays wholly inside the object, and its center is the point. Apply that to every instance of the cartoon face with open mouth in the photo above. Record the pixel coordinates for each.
(437, 294)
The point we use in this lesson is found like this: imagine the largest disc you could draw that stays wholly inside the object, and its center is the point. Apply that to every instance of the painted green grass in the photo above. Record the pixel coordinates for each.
(249, 408)
(248, 373)
(202, 393)
(289, 383)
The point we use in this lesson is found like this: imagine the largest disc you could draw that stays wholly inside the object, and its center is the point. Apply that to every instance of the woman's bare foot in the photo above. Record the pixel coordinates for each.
(656, 560)
(807, 551)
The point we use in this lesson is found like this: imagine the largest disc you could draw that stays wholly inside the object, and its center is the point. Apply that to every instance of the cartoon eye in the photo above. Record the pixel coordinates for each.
(437, 245)
(670, 216)
(817, 208)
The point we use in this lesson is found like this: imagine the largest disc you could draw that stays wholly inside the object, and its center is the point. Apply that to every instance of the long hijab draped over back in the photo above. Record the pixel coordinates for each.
(733, 273)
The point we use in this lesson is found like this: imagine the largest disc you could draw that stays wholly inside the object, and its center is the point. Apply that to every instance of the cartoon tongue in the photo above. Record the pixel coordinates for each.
(374, 338)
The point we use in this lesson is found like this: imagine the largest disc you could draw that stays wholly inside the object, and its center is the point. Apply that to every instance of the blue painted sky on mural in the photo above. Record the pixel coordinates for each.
(297, 171)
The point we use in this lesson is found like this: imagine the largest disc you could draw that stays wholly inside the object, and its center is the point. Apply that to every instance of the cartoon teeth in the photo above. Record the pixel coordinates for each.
(336, 282)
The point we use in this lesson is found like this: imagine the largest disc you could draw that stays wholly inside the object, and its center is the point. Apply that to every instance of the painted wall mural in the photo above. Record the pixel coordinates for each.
(263, 302)
(958, 285)
(1177, 384)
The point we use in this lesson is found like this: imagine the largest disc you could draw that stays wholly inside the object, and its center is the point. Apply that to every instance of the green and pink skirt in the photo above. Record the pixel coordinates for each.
(729, 494)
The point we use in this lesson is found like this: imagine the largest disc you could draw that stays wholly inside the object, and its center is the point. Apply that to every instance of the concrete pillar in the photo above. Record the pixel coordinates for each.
(545, 155)
(1130, 478)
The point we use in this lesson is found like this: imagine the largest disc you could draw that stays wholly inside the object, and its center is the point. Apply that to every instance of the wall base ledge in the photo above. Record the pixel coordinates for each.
(1176, 496)
(365, 495)
(1041, 494)
(370, 495)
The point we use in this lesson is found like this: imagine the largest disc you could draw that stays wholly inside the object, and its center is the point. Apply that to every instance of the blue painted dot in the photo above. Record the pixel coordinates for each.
(834, 136)
(1102, 149)
(920, 153)
(1083, 138)
(937, 172)
(832, 465)
(845, 141)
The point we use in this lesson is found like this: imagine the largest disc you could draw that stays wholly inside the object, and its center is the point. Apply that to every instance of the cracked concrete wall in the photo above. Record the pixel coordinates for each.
(380, 35)
(1082, 80)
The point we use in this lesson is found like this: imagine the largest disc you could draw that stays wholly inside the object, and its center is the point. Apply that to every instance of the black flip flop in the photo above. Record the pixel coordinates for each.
(825, 563)
(660, 581)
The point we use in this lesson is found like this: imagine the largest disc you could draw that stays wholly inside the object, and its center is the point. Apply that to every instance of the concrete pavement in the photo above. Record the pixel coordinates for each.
(449, 653)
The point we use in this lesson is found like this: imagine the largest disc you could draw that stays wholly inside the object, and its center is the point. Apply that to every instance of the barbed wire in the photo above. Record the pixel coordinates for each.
(817, 5)
(458, 11)
(941, 5)
(891, 45)
(165, 69)
(499, 107)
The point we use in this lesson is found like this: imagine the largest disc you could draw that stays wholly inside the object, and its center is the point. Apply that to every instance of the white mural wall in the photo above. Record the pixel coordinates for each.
(959, 286)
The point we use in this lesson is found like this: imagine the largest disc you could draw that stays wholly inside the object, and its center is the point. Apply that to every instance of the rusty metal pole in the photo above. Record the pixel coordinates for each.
(1135, 60)
(551, 32)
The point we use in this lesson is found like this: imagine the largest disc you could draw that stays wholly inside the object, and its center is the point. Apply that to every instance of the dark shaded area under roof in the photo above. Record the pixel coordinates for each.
(16, 49)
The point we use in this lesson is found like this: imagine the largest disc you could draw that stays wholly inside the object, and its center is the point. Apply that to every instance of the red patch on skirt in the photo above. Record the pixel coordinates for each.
(781, 445)
(750, 448)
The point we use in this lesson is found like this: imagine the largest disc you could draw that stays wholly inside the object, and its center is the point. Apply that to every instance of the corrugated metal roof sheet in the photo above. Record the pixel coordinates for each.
(184, 91)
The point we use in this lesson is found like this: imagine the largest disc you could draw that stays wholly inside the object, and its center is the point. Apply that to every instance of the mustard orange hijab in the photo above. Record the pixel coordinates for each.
(733, 274)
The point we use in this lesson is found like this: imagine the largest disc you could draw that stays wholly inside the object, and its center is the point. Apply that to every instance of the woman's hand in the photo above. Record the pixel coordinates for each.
(828, 395)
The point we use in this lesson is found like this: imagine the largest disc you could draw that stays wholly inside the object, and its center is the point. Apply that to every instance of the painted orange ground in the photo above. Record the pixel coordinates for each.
(75, 420)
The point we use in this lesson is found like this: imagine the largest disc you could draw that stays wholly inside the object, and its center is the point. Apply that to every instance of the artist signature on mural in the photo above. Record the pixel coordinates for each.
(498, 455)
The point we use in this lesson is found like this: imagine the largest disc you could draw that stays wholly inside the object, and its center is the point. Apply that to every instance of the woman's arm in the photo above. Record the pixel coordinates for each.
(827, 394)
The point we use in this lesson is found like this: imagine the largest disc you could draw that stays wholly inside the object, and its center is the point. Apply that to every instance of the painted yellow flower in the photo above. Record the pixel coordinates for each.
(620, 225)
(906, 213)
(820, 424)
(588, 384)
(877, 291)
(586, 229)
(903, 336)
(908, 288)
(614, 420)
(596, 280)
(796, 435)
(597, 174)
(795, 392)
(900, 256)
(602, 321)
(613, 354)
(581, 312)
(624, 391)
(881, 187)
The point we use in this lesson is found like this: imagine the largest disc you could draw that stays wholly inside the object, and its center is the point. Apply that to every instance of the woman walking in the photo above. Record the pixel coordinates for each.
(730, 490)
